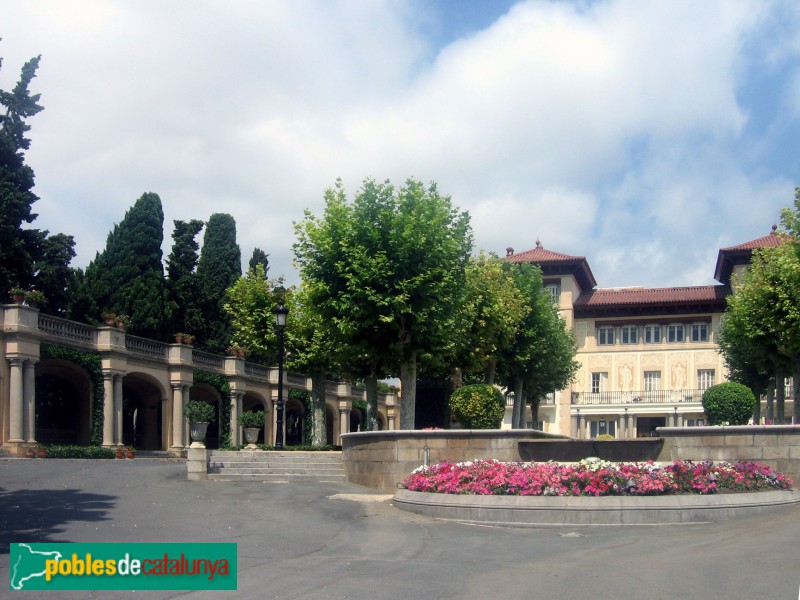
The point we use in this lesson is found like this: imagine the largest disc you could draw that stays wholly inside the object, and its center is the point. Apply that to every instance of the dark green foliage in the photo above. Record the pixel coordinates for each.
(128, 277)
(28, 257)
(186, 315)
(729, 403)
(259, 258)
(93, 452)
(219, 267)
(197, 411)
(92, 364)
(478, 406)
(304, 397)
(223, 386)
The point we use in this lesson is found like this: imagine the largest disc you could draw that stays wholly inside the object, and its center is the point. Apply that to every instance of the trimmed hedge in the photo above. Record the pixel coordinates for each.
(729, 403)
(478, 406)
(94, 452)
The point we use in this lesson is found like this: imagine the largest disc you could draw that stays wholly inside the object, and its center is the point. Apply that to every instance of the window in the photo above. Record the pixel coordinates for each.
(599, 382)
(652, 381)
(699, 332)
(605, 336)
(652, 334)
(554, 289)
(675, 333)
(705, 379)
(629, 334)
(602, 427)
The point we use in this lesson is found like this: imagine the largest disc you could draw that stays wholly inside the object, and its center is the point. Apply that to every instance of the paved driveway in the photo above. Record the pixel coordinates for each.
(330, 541)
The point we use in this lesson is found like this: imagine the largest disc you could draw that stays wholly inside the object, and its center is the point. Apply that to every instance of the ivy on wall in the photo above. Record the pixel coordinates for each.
(304, 397)
(362, 406)
(93, 365)
(223, 386)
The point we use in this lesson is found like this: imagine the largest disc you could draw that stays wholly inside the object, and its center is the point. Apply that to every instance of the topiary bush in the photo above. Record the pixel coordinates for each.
(729, 403)
(478, 406)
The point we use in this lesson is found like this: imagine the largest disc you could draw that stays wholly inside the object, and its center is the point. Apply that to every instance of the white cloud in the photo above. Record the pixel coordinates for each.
(613, 130)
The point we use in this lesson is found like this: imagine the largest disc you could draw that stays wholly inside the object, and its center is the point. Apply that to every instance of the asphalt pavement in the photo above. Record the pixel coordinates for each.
(315, 541)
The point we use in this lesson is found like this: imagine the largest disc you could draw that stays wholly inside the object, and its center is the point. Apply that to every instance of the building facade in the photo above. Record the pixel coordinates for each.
(646, 354)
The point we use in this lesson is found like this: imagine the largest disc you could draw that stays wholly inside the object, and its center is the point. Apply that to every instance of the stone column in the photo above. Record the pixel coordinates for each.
(578, 424)
(236, 405)
(29, 399)
(186, 397)
(108, 409)
(16, 403)
(625, 425)
(118, 408)
(177, 417)
(344, 419)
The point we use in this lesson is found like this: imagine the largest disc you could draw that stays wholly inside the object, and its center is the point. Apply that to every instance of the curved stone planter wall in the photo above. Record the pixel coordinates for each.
(582, 510)
(382, 459)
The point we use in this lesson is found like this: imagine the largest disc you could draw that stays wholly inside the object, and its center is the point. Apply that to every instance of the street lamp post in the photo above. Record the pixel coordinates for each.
(280, 324)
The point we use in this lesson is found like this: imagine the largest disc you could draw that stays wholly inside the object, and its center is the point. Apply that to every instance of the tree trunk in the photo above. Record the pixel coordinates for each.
(456, 378)
(488, 374)
(519, 406)
(535, 411)
(371, 418)
(757, 411)
(318, 408)
(796, 379)
(780, 395)
(408, 391)
(771, 403)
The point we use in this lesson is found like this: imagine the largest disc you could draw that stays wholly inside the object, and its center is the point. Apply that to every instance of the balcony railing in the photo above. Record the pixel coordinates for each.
(637, 397)
(68, 330)
(145, 346)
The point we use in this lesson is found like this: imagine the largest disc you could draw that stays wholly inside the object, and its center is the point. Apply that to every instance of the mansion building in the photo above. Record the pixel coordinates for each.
(646, 355)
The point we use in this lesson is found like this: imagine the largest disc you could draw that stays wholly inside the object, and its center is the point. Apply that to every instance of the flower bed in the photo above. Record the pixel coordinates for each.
(593, 477)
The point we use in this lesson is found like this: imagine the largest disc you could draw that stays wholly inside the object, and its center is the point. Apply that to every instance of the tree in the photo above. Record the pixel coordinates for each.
(28, 257)
(479, 406)
(541, 358)
(761, 326)
(128, 276)
(219, 267)
(388, 270)
(492, 309)
(182, 277)
(259, 257)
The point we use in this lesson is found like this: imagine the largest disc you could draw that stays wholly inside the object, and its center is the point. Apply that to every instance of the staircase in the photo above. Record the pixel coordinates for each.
(275, 467)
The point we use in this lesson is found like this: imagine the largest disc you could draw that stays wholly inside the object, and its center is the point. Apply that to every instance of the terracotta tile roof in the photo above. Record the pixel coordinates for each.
(652, 296)
(741, 254)
(556, 263)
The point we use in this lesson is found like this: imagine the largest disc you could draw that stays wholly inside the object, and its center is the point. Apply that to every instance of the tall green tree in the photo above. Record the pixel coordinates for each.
(182, 277)
(541, 357)
(259, 257)
(28, 257)
(128, 276)
(219, 267)
(388, 269)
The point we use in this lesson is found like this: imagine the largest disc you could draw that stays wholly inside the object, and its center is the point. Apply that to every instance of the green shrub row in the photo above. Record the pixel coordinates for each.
(79, 452)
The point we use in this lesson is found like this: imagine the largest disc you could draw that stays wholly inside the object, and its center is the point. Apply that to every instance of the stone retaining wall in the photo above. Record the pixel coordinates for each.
(382, 459)
(775, 445)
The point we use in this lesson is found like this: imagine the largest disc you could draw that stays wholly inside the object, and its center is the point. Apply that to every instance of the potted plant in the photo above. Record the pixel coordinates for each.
(123, 321)
(179, 337)
(110, 319)
(30, 452)
(18, 295)
(41, 452)
(199, 414)
(34, 298)
(251, 422)
(188, 339)
(119, 452)
(130, 452)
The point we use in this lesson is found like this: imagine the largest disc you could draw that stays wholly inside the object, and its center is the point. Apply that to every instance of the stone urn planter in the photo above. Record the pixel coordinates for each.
(199, 414)
(251, 437)
(251, 422)
(119, 452)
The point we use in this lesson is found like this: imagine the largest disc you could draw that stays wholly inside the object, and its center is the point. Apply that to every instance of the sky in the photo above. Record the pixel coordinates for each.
(644, 135)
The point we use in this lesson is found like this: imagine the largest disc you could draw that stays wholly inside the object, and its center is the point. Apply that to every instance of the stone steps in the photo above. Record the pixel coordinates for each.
(275, 466)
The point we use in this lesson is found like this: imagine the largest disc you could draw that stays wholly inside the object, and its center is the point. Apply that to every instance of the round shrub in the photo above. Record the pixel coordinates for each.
(478, 406)
(729, 403)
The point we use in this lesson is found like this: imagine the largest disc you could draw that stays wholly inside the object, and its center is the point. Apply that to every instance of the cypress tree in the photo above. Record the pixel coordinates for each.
(182, 277)
(128, 277)
(219, 267)
(259, 258)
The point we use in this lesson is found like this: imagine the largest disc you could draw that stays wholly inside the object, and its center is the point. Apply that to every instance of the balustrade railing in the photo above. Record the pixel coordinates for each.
(256, 370)
(637, 397)
(210, 361)
(68, 330)
(145, 346)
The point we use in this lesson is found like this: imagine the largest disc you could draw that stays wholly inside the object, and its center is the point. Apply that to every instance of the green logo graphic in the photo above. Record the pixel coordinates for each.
(123, 567)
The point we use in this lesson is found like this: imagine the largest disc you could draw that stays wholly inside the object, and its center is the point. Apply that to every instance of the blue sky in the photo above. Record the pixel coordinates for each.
(642, 134)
